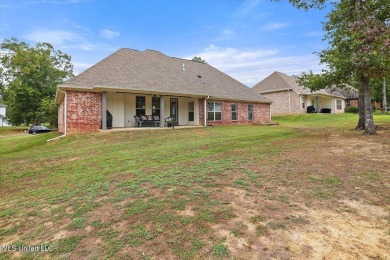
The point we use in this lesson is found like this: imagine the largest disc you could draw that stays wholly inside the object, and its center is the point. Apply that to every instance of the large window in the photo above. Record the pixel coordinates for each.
(214, 111)
(250, 111)
(338, 103)
(347, 103)
(156, 106)
(234, 111)
(191, 111)
(140, 106)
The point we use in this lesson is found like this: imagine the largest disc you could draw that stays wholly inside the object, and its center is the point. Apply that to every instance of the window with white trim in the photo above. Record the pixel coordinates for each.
(191, 111)
(140, 106)
(234, 111)
(214, 111)
(250, 111)
(338, 104)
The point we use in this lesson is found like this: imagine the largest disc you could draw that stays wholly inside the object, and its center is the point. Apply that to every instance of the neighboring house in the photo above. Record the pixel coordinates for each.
(351, 96)
(131, 82)
(3, 117)
(289, 98)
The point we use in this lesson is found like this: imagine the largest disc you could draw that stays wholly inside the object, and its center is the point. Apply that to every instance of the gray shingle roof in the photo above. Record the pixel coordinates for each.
(153, 71)
(279, 81)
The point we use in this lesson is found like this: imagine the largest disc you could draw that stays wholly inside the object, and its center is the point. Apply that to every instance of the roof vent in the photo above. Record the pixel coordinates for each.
(184, 67)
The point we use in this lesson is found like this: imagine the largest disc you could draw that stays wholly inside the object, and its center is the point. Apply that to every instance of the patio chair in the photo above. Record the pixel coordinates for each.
(138, 121)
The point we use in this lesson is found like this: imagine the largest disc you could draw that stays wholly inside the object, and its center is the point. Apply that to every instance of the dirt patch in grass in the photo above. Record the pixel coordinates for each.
(327, 199)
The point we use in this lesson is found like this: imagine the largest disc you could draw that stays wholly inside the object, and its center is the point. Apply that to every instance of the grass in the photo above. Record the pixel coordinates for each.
(146, 194)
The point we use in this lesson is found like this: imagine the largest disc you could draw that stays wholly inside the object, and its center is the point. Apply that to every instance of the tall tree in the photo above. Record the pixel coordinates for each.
(358, 33)
(30, 75)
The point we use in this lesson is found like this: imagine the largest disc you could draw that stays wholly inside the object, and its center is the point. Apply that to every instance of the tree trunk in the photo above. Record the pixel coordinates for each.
(369, 127)
(384, 99)
(360, 125)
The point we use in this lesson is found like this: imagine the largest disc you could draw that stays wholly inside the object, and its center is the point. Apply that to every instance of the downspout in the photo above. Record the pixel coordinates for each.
(289, 100)
(65, 109)
(204, 111)
(270, 114)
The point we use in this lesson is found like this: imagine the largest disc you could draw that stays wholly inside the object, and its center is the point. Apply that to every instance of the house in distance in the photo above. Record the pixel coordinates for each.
(289, 98)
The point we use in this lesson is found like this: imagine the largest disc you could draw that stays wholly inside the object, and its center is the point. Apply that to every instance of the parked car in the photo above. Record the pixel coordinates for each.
(39, 129)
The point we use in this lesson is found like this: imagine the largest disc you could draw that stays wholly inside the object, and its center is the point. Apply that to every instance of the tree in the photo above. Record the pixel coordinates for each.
(379, 91)
(358, 33)
(30, 75)
(198, 59)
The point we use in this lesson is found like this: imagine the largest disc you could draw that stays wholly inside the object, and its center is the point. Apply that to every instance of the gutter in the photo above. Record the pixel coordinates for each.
(289, 101)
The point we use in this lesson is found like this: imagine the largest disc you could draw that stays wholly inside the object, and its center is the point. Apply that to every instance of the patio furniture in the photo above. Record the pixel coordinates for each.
(311, 109)
(147, 121)
(138, 121)
(326, 110)
(168, 122)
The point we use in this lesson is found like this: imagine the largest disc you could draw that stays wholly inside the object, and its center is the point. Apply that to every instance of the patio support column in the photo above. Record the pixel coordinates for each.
(104, 109)
(318, 104)
(162, 112)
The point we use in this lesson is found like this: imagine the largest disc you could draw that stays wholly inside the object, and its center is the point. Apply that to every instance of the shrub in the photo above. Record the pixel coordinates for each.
(351, 110)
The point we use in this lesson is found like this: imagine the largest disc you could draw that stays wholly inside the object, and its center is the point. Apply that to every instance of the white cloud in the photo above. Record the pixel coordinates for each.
(246, 7)
(55, 37)
(109, 34)
(65, 39)
(80, 67)
(251, 66)
(273, 26)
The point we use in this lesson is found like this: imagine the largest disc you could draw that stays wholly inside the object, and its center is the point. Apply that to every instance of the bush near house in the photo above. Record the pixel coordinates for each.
(352, 109)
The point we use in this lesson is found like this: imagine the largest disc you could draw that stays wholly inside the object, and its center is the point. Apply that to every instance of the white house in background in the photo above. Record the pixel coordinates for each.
(3, 117)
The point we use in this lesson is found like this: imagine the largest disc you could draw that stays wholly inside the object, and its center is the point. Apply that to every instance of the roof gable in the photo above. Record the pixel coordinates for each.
(153, 71)
(278, 81)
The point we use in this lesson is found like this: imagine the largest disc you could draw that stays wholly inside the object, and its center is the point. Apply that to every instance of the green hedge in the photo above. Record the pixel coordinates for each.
(351, 110)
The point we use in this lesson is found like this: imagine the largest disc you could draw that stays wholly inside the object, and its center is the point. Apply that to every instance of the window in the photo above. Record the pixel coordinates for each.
(338, 103)
(250, 111)
(156, 106)
(214, 111)
(303, 104)
(140, 106)
(234, 111)
(191, 111)
(347, 103)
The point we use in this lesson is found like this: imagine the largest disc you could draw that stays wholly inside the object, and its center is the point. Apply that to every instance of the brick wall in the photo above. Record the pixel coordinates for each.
(84, 111)
(280, 103)
(201, 103)
(260, 114)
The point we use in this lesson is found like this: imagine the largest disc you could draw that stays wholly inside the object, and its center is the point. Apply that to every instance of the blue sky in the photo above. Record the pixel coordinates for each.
(247, 40)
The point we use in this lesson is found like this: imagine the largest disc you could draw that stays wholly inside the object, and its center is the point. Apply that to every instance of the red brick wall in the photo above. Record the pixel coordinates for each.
(260, 114)
(61, 122)
(84, 111)
(201, 103)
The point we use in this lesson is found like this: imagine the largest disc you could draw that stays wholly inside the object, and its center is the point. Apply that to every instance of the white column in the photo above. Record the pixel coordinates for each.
(104, 109)
(162, 112)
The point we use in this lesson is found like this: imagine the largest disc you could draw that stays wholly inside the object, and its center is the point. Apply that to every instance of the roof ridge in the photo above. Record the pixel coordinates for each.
(96, 64)
(282, 76)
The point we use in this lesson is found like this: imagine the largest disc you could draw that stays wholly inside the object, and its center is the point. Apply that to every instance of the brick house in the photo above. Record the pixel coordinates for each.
(289, 98)
(131, 82)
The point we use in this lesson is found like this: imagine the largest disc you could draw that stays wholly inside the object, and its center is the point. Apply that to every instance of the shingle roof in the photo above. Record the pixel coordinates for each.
(153, 71)
(279, 81)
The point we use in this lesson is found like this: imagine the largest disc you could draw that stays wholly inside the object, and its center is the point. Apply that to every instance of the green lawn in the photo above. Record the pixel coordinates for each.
(145, 194)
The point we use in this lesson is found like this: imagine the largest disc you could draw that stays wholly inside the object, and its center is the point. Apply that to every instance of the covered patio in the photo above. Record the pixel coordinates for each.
(153, 109)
